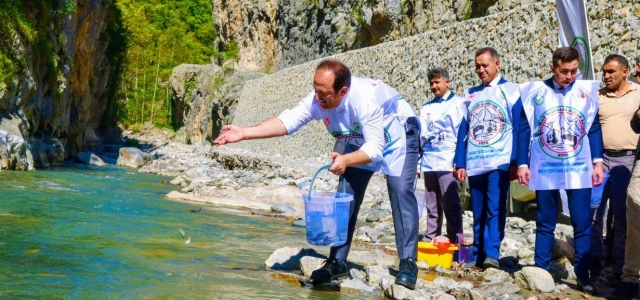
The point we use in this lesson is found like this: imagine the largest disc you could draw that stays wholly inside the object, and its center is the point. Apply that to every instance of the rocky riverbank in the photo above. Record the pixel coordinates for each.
(272, 185)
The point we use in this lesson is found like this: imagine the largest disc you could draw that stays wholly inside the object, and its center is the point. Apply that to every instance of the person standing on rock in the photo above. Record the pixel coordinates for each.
(617, 99)
(485, 154)
(628, 288)
(376, 130)
(560, 147)
(441, 119)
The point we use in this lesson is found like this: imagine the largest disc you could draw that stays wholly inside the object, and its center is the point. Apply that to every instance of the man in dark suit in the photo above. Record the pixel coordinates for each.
(485, 153)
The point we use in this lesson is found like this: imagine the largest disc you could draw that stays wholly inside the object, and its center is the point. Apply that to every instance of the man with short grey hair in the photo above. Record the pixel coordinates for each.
(636, 77)
(441, 119)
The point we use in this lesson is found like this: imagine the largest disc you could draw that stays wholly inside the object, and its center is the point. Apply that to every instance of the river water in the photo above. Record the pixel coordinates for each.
(88, 232)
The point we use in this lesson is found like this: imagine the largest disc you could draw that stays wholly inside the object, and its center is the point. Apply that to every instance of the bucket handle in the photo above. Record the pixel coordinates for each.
(325, 167)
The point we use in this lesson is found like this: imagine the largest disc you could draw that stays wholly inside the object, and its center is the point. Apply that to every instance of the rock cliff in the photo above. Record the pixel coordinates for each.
(275, 34)
(50, 108)
(204, 100)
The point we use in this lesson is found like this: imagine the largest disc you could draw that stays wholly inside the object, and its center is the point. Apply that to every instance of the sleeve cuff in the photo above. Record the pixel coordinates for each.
(597, 160)
(288, 122)
(372, 151)
(523, 166)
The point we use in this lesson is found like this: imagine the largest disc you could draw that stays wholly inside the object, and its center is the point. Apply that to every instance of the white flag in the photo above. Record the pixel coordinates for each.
(573, 31)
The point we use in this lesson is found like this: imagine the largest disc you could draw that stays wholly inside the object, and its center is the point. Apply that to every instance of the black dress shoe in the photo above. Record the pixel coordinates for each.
(333, 269)
(490, 262)
(408, 273)
(587, 287)
(624, 290)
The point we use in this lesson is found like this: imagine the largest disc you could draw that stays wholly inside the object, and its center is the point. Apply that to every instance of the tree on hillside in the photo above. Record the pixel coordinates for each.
(160, 35)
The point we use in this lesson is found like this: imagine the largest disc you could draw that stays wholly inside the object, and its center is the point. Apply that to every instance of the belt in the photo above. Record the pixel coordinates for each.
(618, 153)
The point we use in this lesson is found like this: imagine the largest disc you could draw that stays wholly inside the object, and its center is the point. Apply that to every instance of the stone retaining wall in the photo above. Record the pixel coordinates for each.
(525, 38)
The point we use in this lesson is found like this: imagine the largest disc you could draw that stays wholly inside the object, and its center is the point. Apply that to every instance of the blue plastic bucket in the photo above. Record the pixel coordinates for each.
(596, 192)
(326, 215)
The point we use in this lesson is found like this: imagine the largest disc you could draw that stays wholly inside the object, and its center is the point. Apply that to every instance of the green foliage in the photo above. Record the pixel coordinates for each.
(133, 142)
(218, 82)
(30, 22)
(153, 37)
(68, 8)
(232, 51)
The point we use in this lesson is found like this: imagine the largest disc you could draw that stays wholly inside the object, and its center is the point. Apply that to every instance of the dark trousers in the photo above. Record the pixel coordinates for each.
(404, 207)
(615, 193)
(441, 189)
(489, 204)
(579, 201)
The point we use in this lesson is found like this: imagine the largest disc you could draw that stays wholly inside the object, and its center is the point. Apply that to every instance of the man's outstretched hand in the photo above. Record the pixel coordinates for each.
(230, 134)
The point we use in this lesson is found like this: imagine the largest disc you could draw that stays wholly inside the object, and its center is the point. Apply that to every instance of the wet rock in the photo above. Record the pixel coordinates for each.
(89, 158)
(503, 290)
(362, 258)
(355, 285)
(357, 274)
(375, 215)
(376, 273)
(178, 181)
(448, 284)
(526, 255)
(367, 234)
(441, 270)
(495, 276)
(133, 157)
(283, 209)
(289, 258)
(563, 248)
(562, 268)
(422, 264)
(535, 279)
(516, 223)
(395, 291)
(309, 264)
(444, 296)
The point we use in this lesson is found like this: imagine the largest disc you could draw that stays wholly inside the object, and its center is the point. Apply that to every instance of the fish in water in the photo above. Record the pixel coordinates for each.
(185, 236)
(322, 239)
(195, 211)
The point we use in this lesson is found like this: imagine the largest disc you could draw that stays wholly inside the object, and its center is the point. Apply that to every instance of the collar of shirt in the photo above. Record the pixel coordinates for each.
(609, 93)
(495, 81)
(342, 107)
(556, 86)
(444, 97)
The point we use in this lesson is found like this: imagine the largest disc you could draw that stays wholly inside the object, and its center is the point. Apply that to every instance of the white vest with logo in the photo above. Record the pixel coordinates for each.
(490, 137)
(345, 121)
(560, 156)
(440, 122)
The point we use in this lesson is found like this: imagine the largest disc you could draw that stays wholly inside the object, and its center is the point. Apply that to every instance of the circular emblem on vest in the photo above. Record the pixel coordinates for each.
(486, 123)
(561, 130)
(436, 135)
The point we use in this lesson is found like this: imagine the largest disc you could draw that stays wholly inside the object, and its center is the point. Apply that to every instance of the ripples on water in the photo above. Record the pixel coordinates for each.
(88, 232)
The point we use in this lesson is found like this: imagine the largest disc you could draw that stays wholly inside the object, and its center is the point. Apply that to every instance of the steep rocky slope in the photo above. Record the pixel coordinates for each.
(274, 34)
(51, 106)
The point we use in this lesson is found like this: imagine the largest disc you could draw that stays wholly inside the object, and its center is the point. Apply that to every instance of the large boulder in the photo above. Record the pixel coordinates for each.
(535, 279)
(89, 158)
(15, 152)
(288, 258)
(133, 157)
